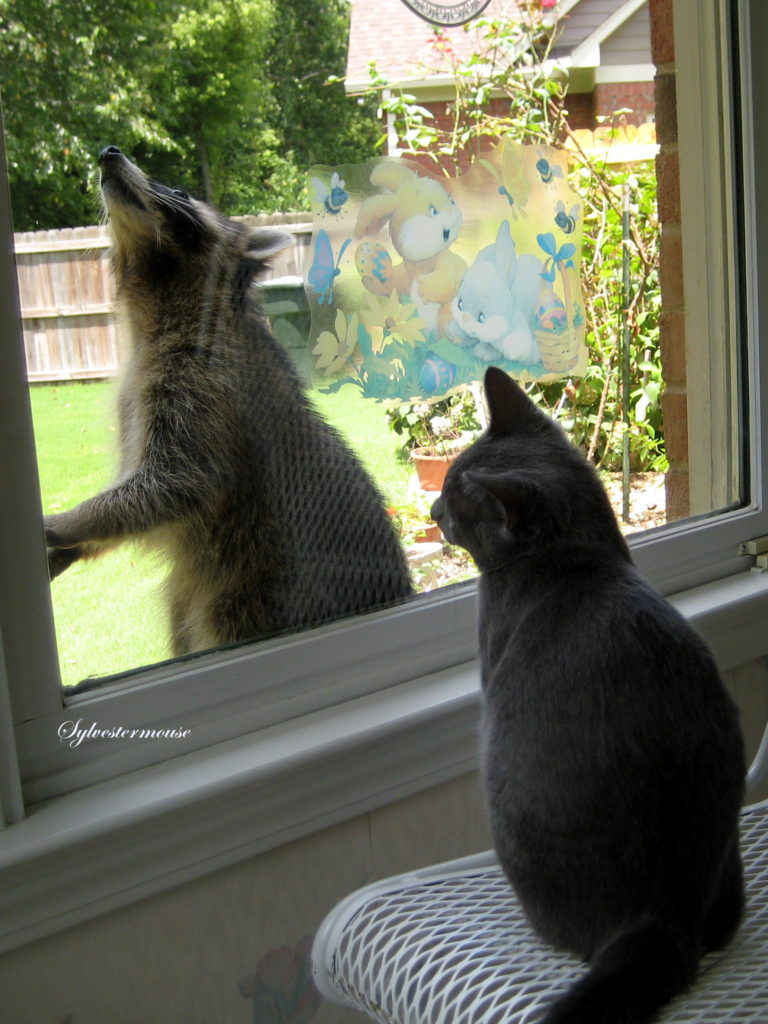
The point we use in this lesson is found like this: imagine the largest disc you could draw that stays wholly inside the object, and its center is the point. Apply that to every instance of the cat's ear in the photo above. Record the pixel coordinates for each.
(515, 491)
(508, 404)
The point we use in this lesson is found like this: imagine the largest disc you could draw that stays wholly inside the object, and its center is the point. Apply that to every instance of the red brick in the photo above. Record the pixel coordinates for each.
(673, 359)
(674, 404)
(666, 107)
(638, 97)
(581, 110)
(671, 268)
(662, 31)
(668, 186)
(676, 486)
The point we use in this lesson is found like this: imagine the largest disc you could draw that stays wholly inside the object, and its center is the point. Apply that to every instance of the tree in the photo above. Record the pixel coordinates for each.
(217, 104)
(317, 120)
(226, 99)
(71, 81)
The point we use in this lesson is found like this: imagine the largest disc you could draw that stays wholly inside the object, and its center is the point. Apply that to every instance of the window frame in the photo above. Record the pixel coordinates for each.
(213, 695)
(109, 834)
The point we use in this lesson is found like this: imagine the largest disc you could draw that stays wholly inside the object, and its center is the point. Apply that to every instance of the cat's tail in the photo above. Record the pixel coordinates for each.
(631, 979)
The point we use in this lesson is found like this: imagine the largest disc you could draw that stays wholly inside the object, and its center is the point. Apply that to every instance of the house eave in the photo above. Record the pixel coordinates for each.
(581, 78)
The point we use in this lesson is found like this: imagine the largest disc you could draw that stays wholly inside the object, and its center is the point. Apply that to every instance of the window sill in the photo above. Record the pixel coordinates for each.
(90, 851)
(102, 847)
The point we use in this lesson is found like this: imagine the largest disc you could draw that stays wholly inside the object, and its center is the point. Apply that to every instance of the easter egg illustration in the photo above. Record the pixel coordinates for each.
(436, 375)
(374, 265)
(551, 313)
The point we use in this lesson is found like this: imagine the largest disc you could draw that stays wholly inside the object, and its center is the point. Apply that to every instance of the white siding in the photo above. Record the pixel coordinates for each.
(583, 20)
(631, 43)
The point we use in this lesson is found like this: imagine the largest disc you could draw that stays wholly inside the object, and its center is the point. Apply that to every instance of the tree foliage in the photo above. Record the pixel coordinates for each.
(225, 98)
(70, 78)
(216, 106)
(308, 57)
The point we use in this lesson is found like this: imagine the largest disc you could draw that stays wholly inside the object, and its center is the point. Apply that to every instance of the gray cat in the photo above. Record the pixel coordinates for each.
(270, 522)
(612, 754)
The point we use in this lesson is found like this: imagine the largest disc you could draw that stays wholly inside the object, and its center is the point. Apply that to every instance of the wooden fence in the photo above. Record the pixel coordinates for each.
(66, 296)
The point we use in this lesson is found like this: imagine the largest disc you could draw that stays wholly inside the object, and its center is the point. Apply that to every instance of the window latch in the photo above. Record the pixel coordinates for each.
(758, 547)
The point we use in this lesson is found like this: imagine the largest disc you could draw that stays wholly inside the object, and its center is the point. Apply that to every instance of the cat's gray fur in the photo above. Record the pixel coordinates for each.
(612, 754)
(270, 521)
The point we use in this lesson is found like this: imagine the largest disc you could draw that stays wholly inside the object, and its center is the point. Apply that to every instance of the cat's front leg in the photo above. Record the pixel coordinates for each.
(62, 530)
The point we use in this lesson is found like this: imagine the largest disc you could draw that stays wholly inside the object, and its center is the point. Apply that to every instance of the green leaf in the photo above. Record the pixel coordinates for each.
(452, 353)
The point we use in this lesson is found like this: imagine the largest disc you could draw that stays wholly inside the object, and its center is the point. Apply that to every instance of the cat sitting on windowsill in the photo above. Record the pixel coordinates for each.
(612, 756)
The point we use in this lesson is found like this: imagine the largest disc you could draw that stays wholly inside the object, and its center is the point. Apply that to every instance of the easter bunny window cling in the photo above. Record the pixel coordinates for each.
(417, 284)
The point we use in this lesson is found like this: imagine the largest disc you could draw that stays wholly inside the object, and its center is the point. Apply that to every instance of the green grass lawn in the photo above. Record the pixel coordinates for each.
(109, 613)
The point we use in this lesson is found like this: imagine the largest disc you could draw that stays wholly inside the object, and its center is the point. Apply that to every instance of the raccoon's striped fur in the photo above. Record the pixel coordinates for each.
(270, 522)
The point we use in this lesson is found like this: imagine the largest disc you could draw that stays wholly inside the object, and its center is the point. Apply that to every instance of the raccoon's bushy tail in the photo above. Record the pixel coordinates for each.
(630, 980)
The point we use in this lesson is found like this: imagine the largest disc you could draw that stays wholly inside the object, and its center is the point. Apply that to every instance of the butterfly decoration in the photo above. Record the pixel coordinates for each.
(325, 267)
(563, 255)
(512, 181)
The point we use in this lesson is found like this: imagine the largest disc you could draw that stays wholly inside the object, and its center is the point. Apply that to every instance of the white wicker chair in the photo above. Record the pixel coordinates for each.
(449, 945)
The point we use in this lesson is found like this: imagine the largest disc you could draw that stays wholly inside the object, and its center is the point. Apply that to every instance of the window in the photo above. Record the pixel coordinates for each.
(220, 696)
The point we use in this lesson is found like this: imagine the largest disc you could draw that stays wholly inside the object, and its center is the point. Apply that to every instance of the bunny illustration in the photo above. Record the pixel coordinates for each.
(424, 222)
(495, 306)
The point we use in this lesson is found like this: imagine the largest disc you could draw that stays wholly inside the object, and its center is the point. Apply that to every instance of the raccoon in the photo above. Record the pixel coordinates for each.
(269, 520)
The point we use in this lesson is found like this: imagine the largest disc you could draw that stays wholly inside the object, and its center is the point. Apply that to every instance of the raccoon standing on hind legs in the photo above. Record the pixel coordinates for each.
(270, 522)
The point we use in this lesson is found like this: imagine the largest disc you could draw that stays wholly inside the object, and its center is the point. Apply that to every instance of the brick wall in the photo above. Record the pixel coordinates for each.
(639, 98)
(581, 110)
(674, 399)
(443, 119)
(636, 97)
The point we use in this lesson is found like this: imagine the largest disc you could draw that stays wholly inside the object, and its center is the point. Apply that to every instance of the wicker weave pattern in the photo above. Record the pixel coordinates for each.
(450, 946)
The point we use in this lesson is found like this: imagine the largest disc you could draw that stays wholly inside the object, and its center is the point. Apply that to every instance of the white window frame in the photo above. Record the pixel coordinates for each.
(292, 735)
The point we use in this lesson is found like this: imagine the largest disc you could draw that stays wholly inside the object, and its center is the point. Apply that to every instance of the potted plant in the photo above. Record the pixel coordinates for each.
(413, 520)
(434, 434)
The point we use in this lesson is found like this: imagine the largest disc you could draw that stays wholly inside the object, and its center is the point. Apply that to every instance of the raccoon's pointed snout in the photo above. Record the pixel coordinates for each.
(107, 152)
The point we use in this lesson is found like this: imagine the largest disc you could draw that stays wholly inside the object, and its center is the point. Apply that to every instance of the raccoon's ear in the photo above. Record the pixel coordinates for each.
(263, 244)
(508, 404)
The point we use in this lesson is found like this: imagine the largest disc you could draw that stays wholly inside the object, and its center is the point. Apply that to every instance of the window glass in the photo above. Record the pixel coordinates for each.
(657, 409)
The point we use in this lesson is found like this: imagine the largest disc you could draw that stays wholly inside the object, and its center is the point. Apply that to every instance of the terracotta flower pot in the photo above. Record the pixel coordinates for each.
(427, 533)
(431, 468)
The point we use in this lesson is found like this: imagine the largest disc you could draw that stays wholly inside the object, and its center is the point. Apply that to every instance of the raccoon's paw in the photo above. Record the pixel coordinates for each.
(60, 559)
(61, 531)
(61, 553)
(52, 538)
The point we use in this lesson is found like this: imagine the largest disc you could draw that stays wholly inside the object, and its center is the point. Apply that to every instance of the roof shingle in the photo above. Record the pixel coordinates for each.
(403, 45)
